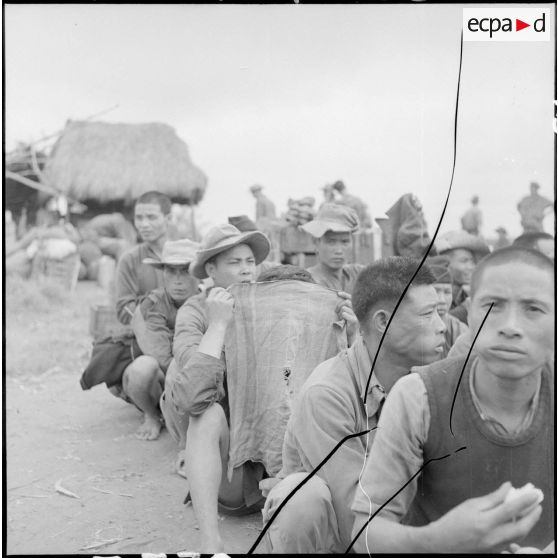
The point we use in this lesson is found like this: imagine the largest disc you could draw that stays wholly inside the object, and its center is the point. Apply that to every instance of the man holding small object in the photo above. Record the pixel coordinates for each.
(455, 436)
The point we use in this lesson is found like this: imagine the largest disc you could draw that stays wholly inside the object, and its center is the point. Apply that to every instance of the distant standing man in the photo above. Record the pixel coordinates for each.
(265, 208)
(532, 209)
(471, 221)
(503, 239)
(134, 279)
(352, 201)
(333, 229)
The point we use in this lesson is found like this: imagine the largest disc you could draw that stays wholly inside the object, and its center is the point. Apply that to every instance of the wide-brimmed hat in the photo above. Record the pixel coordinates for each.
(461, 239)
(439, 265)
(175, 252)
(332, 217)
(222, 238)
(243, 223)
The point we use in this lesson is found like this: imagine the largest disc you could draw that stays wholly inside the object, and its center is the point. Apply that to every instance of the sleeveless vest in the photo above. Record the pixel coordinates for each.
(489, 459)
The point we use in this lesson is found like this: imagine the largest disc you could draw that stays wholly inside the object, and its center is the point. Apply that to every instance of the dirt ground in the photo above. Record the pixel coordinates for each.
(128, 498)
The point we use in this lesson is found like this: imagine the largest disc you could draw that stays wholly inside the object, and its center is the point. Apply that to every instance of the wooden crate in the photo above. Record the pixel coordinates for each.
(295, 240)
(103, 322)
(363, 247)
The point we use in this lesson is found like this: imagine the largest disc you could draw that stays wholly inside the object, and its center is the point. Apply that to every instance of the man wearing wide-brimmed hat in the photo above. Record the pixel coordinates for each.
(135, 371)
(332, 229)
(464, 251)
(197, 387)
(439, 266)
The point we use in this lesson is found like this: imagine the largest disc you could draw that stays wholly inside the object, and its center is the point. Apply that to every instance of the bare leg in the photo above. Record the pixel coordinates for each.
(207, 448)
(143, 382)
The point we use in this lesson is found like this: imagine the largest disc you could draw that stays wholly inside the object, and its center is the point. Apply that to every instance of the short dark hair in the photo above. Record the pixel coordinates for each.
(506, 255)
(162, 200)
(530, 239)
(383, 282)
(285, 271)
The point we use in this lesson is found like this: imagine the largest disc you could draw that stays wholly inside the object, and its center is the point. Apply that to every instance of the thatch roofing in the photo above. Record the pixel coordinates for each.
(107, 162)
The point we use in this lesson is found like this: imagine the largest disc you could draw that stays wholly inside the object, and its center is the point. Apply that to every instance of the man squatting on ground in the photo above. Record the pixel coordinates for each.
(115, 361)
(153, 324)
(330, 407)
(133, 281)
(503, 418)
(196, 387)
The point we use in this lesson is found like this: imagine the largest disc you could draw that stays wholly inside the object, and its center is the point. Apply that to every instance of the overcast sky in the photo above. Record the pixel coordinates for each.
(293, 97)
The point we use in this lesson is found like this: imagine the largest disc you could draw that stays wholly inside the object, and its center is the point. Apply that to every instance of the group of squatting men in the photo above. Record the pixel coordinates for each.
(441, 418)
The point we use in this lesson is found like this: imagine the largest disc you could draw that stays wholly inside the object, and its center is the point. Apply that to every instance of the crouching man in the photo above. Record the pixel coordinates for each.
(336, 401)
(455, 436)
(153, 325)
(195, 391)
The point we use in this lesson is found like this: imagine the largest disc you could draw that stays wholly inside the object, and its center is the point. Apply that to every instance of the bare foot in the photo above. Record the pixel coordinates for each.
(149, 429)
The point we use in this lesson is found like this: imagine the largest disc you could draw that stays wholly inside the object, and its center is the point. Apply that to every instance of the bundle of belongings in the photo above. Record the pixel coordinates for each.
(409, 231)
(300, 211)
(270, 350)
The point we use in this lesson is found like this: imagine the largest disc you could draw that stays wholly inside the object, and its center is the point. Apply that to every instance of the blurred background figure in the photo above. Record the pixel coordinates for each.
(329, 194)
(265, 208)
(471, 221)
(533, 209)
(352, 201)
(464, 251)
(540, 241)
(503, 240)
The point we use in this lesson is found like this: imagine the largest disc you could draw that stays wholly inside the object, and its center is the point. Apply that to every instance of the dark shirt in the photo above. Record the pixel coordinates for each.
(154, 326)
(349, 273)
(134, 280)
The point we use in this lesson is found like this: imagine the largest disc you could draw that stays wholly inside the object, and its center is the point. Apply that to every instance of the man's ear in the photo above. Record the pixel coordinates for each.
(210, 269)
(316, 242)
(379, 320)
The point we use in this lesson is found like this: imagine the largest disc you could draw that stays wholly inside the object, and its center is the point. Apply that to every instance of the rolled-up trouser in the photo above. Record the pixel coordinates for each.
(307, 524)
(175, 421)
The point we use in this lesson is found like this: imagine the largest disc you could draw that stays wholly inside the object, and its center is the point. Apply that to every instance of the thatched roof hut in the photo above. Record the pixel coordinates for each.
(99, 163)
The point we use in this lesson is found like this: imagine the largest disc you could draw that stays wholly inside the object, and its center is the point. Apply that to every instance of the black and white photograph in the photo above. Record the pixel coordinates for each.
(279, 278)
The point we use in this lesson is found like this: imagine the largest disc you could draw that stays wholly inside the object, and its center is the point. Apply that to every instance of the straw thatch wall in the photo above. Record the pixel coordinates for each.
(97, 161)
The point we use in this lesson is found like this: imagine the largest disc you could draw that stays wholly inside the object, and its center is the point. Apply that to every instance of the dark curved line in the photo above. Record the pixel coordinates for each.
(400, 490)
(465, 364)
(301, 484)
(435, 232)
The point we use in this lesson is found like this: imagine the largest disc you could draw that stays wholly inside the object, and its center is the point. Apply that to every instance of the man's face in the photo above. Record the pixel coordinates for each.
(445, 295)
(461, 266)
(236, 265)
(178, 283)
(416, 333)
(334, 249)
(518, 335)
(546, 247)
(150, 221)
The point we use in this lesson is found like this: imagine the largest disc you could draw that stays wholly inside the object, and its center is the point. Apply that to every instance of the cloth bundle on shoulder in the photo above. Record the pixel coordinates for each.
(280, 332)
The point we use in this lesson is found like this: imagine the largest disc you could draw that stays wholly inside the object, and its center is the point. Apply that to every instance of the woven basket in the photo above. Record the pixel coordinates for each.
(104, 323)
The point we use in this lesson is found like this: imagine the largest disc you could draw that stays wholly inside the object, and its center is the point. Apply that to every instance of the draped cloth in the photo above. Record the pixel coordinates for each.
(280, 332)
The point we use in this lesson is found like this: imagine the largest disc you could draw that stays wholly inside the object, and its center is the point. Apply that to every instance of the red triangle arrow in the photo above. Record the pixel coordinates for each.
(519, 25)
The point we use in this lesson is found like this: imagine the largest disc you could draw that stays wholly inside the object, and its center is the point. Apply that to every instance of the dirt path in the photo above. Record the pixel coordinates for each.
(130, 500)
